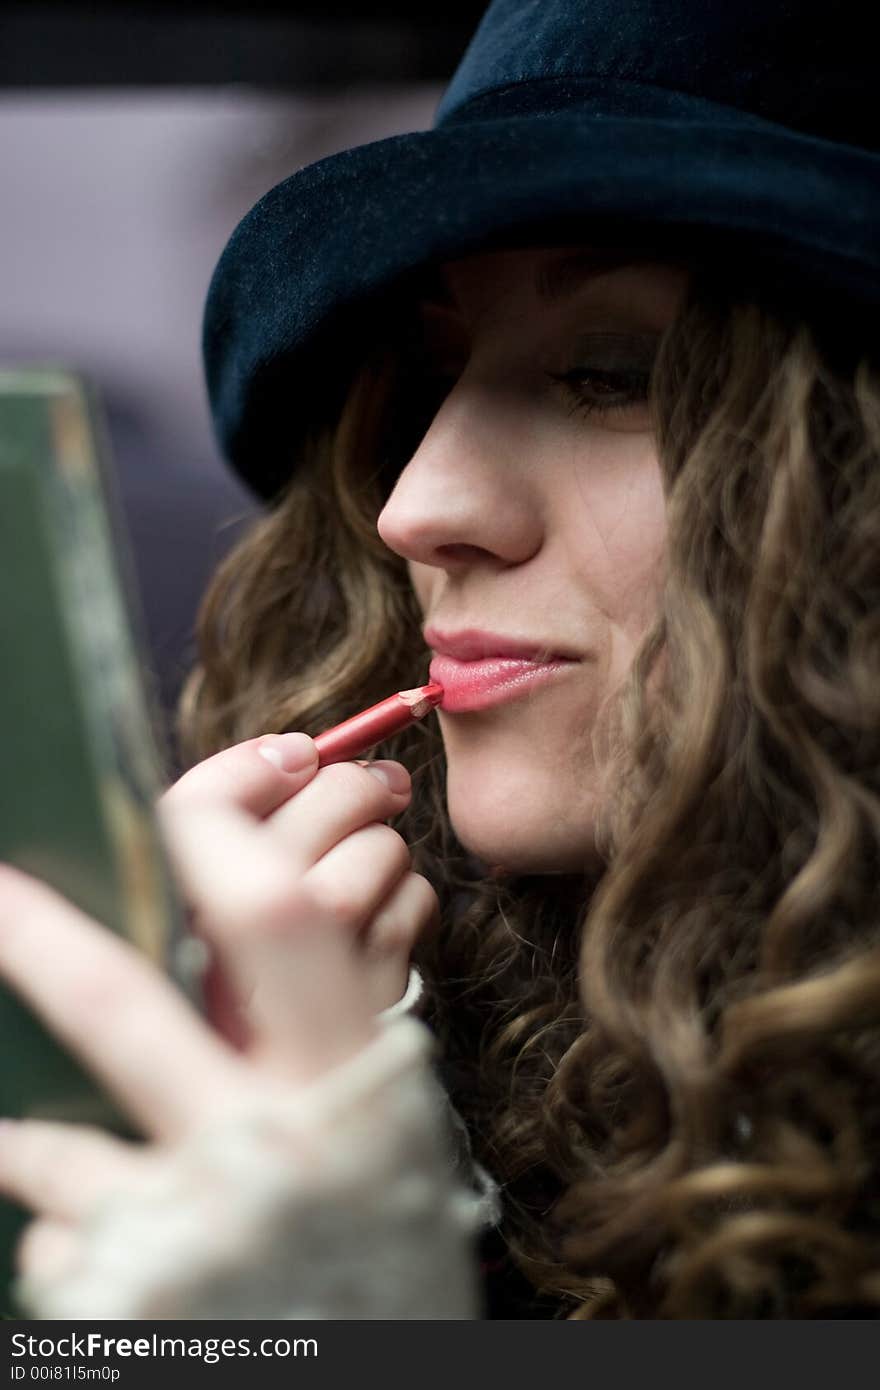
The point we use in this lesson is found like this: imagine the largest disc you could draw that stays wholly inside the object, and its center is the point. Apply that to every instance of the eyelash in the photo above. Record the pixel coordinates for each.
(634, 386)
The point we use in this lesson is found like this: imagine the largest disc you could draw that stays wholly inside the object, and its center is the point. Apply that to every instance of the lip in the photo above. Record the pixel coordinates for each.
(473, 644)
(479, 669)
(496, 680)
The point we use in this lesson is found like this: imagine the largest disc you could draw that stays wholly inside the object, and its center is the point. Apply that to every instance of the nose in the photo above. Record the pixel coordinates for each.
(470, 492)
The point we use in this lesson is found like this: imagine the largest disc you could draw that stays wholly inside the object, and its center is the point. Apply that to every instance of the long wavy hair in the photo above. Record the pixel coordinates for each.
(671, 1064)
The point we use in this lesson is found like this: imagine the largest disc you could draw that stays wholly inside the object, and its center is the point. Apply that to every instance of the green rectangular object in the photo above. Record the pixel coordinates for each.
(82, 759)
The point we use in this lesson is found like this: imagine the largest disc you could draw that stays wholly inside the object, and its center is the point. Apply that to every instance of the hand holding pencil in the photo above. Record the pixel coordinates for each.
(359, 861)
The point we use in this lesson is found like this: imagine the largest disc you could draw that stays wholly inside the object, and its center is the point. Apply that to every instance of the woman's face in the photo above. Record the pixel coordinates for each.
(532, 513)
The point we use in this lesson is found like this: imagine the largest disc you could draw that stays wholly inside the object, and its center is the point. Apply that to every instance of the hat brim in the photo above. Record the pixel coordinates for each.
(279, 323)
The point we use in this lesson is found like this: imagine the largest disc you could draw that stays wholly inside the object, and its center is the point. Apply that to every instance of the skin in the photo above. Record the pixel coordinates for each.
(520, 515)
(514, 514)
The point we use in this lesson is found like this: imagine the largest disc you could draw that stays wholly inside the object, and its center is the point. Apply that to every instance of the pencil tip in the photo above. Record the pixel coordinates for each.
(423, 698)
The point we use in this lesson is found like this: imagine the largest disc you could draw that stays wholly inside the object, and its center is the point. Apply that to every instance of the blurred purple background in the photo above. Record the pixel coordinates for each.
(116, 205)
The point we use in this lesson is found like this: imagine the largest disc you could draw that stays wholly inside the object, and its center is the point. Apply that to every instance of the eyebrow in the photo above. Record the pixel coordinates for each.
(558, 278)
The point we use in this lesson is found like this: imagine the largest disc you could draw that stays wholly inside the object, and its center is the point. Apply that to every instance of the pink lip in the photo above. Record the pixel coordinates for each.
(472, 644)
(478, 668)
(475, 685)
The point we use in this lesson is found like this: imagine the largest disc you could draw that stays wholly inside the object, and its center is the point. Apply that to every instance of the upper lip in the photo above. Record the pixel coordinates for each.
(473, 643)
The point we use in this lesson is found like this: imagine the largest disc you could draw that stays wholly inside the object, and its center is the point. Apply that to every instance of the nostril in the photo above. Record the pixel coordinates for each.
(459, 552)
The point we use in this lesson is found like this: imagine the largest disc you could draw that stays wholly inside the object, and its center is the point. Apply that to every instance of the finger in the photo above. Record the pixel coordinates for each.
(46, 1249)
(244, 776)
(353, 879)
(60, 1171)
(104, 1001)
(275, 939)
(233, 874)
(340, 799)
(411, 910)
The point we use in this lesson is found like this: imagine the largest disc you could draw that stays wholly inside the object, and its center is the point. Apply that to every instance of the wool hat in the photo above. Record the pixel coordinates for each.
(738, 132)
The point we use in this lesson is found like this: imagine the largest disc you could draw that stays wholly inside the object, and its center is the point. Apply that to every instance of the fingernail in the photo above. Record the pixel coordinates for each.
(395, 777)
(289, 752)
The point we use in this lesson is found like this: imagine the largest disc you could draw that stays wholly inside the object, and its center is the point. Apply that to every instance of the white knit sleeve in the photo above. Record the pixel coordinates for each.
(347, 1202)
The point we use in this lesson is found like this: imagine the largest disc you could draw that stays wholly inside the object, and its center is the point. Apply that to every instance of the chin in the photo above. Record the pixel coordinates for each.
(509, 818)
(512, 813)
(523, 854)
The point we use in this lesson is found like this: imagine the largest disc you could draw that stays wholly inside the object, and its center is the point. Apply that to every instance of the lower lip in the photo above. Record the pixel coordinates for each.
(496, 680)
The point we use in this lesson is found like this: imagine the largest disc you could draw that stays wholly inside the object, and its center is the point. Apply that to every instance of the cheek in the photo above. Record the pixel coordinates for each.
(618, 526)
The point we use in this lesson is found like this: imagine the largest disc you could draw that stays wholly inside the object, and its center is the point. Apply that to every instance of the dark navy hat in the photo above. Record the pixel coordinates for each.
(738, 131)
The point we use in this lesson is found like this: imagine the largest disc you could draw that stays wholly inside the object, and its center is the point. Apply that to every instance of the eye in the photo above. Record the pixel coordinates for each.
(598, 391)
(611, 374)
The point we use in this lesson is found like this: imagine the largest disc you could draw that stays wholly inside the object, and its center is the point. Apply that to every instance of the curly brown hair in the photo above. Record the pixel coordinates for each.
(670, 1063)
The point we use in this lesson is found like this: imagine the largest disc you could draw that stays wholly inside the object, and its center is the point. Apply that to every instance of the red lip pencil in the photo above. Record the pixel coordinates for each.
(357, 735)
